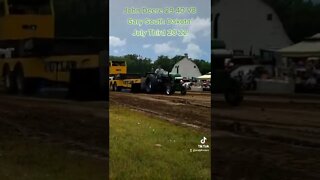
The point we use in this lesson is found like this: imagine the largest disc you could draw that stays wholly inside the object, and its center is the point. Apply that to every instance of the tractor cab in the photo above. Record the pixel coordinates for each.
(24, 19)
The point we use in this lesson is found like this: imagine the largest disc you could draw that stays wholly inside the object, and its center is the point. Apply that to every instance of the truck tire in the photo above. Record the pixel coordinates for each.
(24, 85)
(116, 87)
(8, 81)
(19, 81)
(113, 87)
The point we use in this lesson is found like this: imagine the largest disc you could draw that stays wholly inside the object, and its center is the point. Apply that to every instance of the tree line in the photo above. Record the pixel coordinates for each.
(136, 64)
(81, 18)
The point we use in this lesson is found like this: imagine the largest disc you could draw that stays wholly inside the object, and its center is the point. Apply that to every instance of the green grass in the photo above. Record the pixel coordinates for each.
(27, 159)
(135, 155)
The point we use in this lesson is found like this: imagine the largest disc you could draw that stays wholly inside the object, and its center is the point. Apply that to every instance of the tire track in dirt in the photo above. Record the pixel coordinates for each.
(79, 126)
(184, 113)
(241, 120)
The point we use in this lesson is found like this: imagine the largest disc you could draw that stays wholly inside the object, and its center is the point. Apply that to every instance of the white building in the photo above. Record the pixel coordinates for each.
(248, 25)
(186, 68)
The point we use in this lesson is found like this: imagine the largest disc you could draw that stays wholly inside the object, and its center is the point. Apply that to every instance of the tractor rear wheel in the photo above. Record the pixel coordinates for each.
(149, 87)
(150, 83)
(168, 90)
(22, 84)
(19, 80)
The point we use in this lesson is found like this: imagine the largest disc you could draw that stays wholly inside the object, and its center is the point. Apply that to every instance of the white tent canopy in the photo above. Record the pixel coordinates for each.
(205, 77)
(307, 48)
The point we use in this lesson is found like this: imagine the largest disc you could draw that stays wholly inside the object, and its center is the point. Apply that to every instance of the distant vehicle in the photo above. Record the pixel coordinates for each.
(307, 81)
(245, 69)
(206, 86)
(247, 74)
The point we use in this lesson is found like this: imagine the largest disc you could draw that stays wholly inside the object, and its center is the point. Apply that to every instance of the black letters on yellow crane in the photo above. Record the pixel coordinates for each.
(60, 66)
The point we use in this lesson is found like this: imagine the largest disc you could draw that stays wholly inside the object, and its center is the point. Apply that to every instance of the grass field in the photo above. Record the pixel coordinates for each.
(27, 159)
(145, 147)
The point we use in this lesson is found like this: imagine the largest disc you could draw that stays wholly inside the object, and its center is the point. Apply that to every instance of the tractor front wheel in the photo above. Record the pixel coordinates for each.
(169, 90)
(183, 90)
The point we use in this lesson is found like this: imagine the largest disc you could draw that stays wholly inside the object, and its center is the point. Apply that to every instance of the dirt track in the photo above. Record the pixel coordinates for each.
(267, 136)
(270, 137)
(194, 112)
(79, 126)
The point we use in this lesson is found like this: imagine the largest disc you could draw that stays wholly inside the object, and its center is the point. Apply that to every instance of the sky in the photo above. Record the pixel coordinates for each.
(196, 43)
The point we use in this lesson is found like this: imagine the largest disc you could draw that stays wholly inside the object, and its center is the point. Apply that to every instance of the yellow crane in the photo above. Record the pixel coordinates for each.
(119, 78)
(32, 57)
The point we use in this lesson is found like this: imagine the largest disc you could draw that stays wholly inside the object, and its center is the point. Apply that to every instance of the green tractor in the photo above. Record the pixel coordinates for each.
(179, 84)
(222, 81)
(163, 82)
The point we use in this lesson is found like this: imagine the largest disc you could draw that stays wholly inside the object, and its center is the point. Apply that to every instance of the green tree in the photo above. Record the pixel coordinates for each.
(204, 66)
(138, 65)
(78, 18)
(135, 64)
(165, 62)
